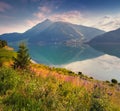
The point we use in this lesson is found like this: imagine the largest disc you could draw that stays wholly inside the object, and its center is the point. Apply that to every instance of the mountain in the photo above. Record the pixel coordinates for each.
(55, 32)
(34, 31)
(11, 37)
(88, 33)
(112, 37)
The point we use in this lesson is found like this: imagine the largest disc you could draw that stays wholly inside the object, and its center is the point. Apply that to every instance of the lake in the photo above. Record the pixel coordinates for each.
(102, 62)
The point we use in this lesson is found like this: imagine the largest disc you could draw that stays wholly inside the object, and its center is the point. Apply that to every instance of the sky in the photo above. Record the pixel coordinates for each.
(21, 15)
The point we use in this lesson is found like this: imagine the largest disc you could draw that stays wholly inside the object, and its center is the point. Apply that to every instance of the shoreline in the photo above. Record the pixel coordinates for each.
(103, 68)
(34, 62)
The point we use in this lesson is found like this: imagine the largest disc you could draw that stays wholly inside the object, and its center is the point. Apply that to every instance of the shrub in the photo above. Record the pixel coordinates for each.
(79, 73)
(8, 80)
(111, 84)
(91, 77)
(107, 81)
(114, 81)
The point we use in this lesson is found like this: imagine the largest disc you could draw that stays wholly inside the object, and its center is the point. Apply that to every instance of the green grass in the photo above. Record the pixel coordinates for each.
(6, 55)
(22, 90)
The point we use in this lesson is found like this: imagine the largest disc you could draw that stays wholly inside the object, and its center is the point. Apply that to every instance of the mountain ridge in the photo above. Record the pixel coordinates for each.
(111, 37)
(52, 32)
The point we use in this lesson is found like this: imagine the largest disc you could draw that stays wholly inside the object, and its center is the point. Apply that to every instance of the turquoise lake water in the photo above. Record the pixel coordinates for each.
(62, 54)
(100, 67)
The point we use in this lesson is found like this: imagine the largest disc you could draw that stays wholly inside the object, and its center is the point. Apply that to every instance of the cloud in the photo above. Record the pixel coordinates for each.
(39, 16)
(4, 6)
(31, 23)
(75, 17)
(71, 16)
(13, 28)
(43, 13)
(108, 23)
(44, 9)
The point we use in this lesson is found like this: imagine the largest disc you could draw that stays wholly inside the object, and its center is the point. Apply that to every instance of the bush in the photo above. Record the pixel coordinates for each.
(114, 81)
(91, 77)
(8, 80)
(79, 73)
(111, 84)
(107, 81)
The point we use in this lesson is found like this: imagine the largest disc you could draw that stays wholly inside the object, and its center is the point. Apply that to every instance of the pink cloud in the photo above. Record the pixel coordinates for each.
(108, 23)
(40, 15)
(13, 28)
(44, 9)
(4, 6)
(43, 13)
(74, 17)
(31, 23)
(71, 16)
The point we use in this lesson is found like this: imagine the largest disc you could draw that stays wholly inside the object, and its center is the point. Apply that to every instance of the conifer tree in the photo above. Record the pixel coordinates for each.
(22, 60)
(3, 43)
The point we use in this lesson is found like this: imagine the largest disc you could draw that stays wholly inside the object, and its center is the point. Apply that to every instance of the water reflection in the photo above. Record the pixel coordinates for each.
(94, 61)
(111, 49)
(62, 54)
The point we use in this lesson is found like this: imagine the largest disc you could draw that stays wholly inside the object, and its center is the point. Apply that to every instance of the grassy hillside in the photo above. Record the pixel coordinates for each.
(6, 54)
(43, 88)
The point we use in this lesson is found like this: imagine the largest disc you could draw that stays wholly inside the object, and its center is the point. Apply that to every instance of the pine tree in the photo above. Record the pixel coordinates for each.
(22, 60)
(3, 43)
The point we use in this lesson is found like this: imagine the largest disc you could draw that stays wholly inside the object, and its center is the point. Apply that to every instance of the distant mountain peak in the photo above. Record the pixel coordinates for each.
(46, 21)
(111, 37)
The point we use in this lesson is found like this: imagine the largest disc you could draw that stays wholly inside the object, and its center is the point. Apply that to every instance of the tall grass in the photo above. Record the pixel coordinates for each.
(23, 91)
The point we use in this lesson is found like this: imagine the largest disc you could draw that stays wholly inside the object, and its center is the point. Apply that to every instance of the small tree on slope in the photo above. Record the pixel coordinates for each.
(22, 60)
